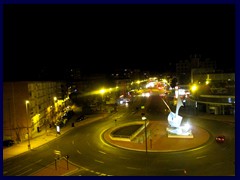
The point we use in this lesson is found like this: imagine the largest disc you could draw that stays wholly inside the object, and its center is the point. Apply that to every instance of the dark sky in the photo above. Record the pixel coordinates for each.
(100, 38)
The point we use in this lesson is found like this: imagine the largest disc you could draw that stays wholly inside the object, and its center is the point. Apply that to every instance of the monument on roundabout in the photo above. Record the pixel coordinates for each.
(175, 129)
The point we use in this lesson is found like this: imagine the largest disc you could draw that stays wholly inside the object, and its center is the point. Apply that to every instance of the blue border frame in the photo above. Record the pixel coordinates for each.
(1, 59)
(120, 1)
(234, 2)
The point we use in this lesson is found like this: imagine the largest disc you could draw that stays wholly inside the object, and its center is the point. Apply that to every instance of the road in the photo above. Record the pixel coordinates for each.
(95, 157)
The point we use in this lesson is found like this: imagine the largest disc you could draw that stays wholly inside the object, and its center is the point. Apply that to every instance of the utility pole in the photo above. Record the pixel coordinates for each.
(27, 115)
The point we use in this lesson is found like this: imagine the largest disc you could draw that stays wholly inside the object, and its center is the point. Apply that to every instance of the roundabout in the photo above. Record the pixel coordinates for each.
(157, 138)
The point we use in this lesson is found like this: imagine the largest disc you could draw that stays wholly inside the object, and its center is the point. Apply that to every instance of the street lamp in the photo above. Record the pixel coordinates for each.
(145, 119)
(55, 104)
(102, 91)
(145, 122)
(27, 115)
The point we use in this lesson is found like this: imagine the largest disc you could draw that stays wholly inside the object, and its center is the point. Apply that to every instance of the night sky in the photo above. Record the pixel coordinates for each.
(101, 38)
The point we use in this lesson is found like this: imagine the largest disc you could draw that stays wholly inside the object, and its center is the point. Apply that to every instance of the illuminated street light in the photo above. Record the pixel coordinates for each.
(102, 91)
(208, 80)
(194, 88)
(27, 115)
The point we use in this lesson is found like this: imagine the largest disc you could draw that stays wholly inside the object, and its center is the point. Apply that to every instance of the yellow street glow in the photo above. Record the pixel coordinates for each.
(194, 88)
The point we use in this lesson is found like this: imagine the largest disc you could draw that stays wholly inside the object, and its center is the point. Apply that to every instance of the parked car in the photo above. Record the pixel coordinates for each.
(8, 143)
(220, 139)
(69, 114)
(80, 118)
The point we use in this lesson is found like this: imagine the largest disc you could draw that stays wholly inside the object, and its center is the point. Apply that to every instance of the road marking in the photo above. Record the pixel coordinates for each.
(124, 158)
(134, 168)
(24, 172)
(217, 164)
(29, 165)
(56, 152)
(183, 170)
(99, 161)
(102, 152)
(200, 157)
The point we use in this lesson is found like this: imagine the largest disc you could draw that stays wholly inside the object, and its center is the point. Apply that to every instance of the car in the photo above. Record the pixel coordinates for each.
(80, 118)
(8, 143)
(220, 139)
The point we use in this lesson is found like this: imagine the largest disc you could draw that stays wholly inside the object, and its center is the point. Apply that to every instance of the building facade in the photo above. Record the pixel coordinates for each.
(216, 92)
(30, 106)
(186, 69)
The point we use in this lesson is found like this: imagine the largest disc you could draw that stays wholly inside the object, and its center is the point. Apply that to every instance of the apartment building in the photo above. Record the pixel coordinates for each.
(30, 106)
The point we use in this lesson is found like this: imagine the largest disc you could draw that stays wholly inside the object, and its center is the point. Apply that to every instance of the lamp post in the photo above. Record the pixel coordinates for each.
(27, 115)
(145, 119)
(145, 122)
(55, 104)
(102, 91)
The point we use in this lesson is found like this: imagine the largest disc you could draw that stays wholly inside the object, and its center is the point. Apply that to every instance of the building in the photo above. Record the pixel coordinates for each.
(186, 69)
(215, 93)
(30, 106)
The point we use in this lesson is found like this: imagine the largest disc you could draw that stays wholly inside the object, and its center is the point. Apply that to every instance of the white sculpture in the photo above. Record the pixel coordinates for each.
(174, 121)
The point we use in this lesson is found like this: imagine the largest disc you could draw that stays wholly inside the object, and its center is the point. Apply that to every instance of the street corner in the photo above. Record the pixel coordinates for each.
(59, 167)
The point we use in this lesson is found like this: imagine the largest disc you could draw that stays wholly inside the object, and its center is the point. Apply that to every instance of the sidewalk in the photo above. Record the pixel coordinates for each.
(44, 137)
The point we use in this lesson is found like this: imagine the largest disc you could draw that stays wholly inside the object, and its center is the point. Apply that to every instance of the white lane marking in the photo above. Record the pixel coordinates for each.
(102, 152)
(134, 168)
(124, 157)
(29, 165)
(24, 172)
(99, 161)
(200, 157)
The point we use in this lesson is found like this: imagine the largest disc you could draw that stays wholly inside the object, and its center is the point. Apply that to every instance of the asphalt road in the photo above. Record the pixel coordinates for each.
(94, 157)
